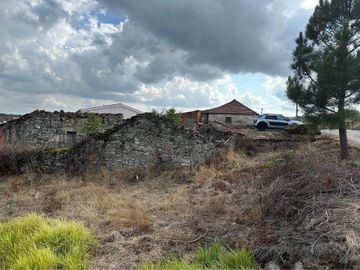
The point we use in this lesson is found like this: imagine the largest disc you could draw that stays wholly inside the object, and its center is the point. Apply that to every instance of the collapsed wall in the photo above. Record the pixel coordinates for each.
(41, 129)
(141, 141)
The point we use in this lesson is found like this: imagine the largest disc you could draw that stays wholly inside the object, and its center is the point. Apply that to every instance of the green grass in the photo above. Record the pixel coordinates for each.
(213, 257)
(36, 242)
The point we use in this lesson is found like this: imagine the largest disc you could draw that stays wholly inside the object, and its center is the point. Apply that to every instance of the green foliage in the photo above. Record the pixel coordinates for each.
(35, 242)
(208, 257)
(241, 259)
(326, 63)
(274, 162)
(92, 125)
(170, 114)
(213, 257)
(355, 163)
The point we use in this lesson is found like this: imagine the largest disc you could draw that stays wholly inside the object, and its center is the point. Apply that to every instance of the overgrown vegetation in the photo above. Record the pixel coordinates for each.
(35, 242)
(286, 200)
(215, 256)
(92, 125)
(170, 114)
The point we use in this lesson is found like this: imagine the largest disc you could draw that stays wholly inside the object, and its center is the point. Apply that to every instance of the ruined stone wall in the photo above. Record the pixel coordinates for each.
(41, 129)
(145, 140)
(142, 141)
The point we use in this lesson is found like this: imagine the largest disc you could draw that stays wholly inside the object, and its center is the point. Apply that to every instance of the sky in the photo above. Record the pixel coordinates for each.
(187, 54)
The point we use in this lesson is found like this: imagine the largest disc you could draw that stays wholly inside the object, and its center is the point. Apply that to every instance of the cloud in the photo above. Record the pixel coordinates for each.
(234, 36)
(161, 53)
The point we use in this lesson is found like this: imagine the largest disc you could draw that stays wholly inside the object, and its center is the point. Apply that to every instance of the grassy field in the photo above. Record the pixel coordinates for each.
(283, 201)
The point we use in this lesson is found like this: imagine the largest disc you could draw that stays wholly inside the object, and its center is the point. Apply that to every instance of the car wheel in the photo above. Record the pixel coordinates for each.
(262, 126)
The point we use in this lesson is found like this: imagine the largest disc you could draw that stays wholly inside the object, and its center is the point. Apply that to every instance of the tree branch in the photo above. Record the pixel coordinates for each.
(307, 74)
(353, 49)
(330, 110)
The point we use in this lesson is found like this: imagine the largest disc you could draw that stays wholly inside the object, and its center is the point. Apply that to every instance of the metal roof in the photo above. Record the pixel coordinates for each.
(232, 107)
(116, 105)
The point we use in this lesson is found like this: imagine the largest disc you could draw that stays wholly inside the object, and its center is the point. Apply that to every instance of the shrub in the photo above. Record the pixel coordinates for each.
(170, 114)
(208, 257)
(94, 124)
(213, 257)
(35, 242)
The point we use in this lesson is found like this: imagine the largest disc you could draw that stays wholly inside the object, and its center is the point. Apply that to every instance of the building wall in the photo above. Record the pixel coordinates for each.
(236, 119)
(190, 120)
(114, 109)
(41, 129)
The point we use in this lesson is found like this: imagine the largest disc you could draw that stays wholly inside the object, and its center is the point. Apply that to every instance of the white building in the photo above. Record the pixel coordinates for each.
(125, 110)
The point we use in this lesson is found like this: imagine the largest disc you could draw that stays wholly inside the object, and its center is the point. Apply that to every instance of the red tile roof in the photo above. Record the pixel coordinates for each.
(233, 107)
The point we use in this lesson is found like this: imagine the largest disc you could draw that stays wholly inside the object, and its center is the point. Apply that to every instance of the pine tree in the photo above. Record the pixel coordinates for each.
(326, 63)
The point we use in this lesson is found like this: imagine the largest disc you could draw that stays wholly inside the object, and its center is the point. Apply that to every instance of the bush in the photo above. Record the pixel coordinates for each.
(213, 257)
(35, 242)
(170, 114)
(94, 124)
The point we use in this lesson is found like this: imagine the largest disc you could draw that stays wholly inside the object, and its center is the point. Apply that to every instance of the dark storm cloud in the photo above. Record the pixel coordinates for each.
(62, 47)
(232, 35)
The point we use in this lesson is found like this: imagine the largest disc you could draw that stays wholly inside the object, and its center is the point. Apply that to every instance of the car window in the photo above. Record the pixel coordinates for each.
(271, 117)
(283, 118)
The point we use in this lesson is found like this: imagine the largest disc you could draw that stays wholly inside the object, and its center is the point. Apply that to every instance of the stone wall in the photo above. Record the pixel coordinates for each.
(142, 141)
(41, 129)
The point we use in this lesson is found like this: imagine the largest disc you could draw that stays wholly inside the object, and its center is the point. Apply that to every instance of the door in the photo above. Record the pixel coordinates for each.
(272, 121)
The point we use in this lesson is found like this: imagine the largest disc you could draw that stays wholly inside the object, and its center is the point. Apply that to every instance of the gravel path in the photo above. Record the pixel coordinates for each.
(353, 135)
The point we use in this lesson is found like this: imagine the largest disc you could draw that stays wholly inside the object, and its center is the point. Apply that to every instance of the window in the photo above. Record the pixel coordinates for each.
(227, 120)
(271, 117)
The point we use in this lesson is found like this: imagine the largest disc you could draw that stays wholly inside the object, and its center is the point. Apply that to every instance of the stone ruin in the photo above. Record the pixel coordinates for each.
(41, 129)
(142, 141)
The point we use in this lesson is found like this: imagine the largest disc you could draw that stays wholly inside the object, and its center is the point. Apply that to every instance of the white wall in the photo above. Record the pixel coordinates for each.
(126, 112)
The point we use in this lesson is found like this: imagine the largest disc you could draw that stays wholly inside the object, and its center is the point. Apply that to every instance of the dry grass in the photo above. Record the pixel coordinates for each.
(95, 203)
(288, 206)
(309, 200)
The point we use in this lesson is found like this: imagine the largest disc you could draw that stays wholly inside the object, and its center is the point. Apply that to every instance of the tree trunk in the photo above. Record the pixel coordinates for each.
(344, 147)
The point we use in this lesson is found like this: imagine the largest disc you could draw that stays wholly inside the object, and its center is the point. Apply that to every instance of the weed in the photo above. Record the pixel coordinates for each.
(274, 162)
(35, 242)
(215, 256)
(208, 257)
(355, 163)
(240, 259)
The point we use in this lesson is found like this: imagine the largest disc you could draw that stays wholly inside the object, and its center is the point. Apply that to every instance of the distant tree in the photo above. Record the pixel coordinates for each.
(173, 115)
(326, 63)
(93, 124)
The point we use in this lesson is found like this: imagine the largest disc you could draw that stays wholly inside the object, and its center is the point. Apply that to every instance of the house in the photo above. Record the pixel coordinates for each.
(232, 113)
(116, 108)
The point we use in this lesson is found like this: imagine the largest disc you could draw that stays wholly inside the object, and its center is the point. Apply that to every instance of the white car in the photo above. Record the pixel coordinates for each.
(278, 121)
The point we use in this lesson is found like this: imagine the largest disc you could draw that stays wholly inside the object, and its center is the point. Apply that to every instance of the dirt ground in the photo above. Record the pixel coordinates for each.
(286, 201)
